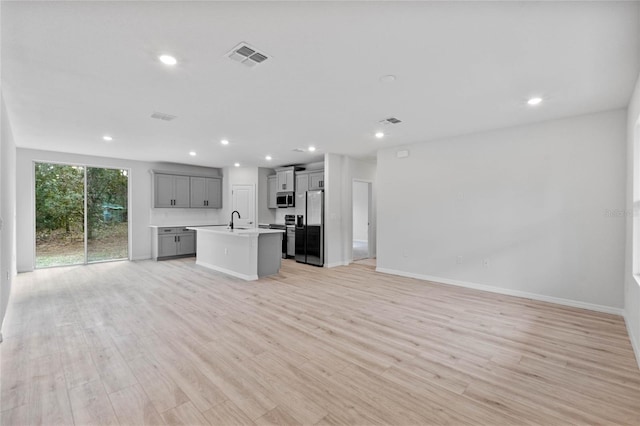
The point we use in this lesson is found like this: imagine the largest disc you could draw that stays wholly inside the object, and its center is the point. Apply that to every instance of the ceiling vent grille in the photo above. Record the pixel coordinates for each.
(390, 120)
(298, 150)
(247, 55)
(163, 116)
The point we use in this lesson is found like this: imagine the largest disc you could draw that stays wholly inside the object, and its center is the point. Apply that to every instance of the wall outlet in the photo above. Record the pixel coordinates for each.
(459, 260)
(405, 253)
(226, 250)
(485, 262)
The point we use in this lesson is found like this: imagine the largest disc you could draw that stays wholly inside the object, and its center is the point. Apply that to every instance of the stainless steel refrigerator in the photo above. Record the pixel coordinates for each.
(310, 228)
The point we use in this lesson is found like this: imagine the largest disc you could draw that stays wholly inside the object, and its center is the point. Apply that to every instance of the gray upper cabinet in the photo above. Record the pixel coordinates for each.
(171, 190)
(206, 192)
(316, 180)
(272, 188)
(285, 180)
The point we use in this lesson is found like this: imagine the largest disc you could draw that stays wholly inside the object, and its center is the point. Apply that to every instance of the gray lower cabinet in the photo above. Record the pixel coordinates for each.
(173, 242)
(291, 241)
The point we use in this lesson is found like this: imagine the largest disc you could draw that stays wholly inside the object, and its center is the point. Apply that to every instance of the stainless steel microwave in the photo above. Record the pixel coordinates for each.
(285, 199)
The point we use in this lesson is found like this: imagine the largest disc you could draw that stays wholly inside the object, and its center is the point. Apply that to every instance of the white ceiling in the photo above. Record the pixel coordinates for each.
(74, 71)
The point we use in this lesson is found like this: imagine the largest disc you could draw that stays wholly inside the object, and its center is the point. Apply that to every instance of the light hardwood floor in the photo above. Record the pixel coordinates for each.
(169, 342)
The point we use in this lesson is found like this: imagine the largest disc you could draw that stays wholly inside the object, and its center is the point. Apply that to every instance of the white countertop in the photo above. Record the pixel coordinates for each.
(235, 232)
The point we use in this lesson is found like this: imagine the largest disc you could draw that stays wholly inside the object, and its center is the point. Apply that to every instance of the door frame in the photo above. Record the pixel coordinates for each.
(85, 166)
(370, 226)
(255, 201)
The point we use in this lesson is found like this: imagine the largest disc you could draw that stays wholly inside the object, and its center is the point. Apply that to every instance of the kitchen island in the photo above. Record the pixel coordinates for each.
(244, 253)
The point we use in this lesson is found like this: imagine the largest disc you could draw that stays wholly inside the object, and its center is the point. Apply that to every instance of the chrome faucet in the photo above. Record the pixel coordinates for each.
(231, 224)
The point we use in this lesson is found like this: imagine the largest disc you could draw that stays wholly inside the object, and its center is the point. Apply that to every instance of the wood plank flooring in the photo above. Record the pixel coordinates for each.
(172, 343)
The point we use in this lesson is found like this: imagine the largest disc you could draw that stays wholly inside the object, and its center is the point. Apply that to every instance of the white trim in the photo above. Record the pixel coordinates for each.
(137, 258)
(227, 271)
(339, 263)
(361, 241)
(634, 343)
(508, 292)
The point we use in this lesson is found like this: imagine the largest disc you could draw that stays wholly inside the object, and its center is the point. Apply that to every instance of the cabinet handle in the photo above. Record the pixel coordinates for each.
(321, 184)
(178, 238)
(174, 239)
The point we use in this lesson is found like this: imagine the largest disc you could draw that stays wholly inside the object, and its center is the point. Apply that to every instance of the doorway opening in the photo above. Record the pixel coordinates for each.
(81, 214)
(361, 238)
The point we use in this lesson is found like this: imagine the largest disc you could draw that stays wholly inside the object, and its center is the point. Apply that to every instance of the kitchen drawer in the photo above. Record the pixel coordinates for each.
(171, 230)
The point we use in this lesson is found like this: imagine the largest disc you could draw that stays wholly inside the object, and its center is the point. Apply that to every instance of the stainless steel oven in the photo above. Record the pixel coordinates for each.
(288, 239)
(285, 199)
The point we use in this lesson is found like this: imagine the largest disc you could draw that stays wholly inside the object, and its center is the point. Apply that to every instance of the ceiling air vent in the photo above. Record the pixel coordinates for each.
(298, 150)
(390, 120)
(163, 116)
(247, 55)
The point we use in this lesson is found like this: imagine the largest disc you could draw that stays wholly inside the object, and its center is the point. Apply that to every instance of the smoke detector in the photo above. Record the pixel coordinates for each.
(390, 120)
(163, 116)
(247, 55)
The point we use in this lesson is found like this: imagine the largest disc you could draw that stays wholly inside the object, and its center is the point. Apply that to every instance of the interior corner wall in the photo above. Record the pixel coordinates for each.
(264, 213)
(141, 212)
(632, 286)
(334, 254)
(7, 209)
(534, 211)
(360, 211)
(340, 172)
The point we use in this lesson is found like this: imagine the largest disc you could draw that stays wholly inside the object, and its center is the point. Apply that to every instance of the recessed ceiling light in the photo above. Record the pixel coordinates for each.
(534, 101)
(192, 153)
(168, 59)
(236, 164)
(379, 135)
(312, 148)
(268, 158)
(107, 138)
(388, 78)
(224, 142)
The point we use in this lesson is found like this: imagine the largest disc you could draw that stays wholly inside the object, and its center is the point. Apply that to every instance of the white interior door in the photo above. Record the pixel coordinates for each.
(243, 199)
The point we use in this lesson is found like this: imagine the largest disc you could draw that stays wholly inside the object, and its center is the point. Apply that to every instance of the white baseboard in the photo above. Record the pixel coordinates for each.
(227, 271)
(508, 292)
(334, 264)
(632, 338)
(140, 258)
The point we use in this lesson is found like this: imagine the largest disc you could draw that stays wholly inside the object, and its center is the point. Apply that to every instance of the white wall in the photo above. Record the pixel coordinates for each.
(360, 211)
(340, 172)
(238, 176)
(632, 258)
(265, 214)
(7, 209)
(141, 213)
(334, 232)
(533, 201)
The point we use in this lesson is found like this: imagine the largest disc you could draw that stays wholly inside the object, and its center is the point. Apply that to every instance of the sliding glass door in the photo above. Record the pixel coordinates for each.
(59, 214)
(107, 222)
(81, 214)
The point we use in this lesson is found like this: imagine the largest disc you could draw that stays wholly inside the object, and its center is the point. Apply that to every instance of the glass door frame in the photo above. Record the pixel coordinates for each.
(85, 166)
